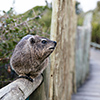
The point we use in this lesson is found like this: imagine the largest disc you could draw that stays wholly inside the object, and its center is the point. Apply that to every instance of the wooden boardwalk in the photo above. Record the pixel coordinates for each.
(90, 90)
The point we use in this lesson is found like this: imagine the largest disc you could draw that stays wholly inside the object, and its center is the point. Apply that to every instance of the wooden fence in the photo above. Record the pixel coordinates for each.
(95, 45)
(83, 40)
(20, 89)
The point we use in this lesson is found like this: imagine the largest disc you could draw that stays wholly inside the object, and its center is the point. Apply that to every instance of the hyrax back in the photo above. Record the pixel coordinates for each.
(30, 55)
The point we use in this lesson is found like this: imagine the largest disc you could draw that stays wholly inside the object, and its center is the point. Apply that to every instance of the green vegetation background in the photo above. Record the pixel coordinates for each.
(95, 23)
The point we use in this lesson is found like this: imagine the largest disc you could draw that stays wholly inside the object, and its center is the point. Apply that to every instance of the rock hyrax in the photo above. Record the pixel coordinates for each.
(30, 55)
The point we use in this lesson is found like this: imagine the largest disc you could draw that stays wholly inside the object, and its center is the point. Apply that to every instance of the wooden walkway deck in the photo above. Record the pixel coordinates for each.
(90, 90)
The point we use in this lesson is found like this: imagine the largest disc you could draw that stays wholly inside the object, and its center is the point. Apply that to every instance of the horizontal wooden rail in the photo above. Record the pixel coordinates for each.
(95, 45)
(20, 89)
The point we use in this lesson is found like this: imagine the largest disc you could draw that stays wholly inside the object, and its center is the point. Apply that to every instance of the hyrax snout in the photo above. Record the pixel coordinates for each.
(30, 55)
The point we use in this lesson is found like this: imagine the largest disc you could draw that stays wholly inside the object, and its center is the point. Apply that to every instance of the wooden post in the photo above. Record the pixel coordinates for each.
(20, 89)
(63, 29)
(83, 40)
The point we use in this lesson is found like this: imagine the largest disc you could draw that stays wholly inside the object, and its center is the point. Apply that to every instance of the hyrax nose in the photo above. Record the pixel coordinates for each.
(55, 43)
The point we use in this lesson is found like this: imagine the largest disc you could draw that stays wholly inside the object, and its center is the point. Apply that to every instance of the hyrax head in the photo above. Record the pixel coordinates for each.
(41, 47)
(33, 48)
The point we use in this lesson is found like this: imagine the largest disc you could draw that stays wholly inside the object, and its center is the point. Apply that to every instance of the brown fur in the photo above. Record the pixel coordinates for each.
(30, 55)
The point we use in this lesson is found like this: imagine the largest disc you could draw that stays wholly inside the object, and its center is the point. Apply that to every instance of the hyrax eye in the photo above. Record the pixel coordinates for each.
(44, 41)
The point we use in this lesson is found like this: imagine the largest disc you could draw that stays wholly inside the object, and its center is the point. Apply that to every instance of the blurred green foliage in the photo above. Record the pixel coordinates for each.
(45, 21)
(78, 8)
(80, 20)
(96, 24)
(33, 12)
(98, 5)
(96, 32)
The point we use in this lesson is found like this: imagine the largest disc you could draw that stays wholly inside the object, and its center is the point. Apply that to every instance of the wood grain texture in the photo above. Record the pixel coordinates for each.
(63, 30)
(90, 90)
(20, 89)
(83, 40)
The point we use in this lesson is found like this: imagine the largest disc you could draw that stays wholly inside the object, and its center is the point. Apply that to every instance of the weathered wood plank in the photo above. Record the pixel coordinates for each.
(91, 89)
(63, 30)
(96, 94)
(83, 38)
(20, 89)
(95, 45)
(78, 97)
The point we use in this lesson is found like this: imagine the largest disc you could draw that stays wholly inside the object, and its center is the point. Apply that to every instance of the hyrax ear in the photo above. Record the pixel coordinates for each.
(32, 40)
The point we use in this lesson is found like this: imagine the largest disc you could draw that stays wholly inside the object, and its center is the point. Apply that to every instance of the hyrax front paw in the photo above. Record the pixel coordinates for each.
(26, 77)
